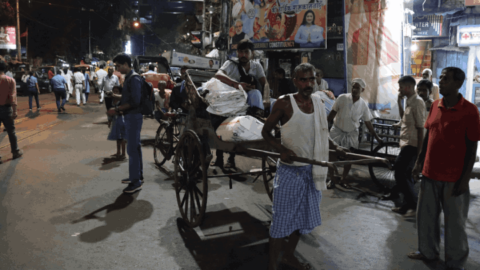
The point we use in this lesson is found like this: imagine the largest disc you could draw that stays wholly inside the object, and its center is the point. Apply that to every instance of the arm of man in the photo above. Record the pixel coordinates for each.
(417, 169)
(221, 76)
(331, 116)
(400, 107)
(38, 88)
(277, 113)
(262, 81)
(13, 99)
(369, 125)
(462, 185)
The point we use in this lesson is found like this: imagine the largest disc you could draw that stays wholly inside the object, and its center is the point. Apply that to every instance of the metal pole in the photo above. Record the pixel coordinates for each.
(203, 28)
(211, 36)
(19, 45)
(89, 43)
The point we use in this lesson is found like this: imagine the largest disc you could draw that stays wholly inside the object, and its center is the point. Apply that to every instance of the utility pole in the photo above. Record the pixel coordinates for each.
(89, 44)
(19, 45)
(203, 28)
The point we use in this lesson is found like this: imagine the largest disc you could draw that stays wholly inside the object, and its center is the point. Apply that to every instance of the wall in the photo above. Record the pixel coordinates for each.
(445, 59)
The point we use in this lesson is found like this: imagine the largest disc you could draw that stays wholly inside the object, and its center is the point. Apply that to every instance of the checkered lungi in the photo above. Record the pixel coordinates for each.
(296, 201)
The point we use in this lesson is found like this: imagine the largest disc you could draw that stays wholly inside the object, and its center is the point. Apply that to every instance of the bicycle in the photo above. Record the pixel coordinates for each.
(167, 136)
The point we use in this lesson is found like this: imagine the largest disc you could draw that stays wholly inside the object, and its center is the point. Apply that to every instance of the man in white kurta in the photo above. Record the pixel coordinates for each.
(346, 114)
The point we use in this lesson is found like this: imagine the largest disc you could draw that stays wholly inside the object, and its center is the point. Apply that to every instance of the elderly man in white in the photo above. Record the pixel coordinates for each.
(427, 75)
(346, 114)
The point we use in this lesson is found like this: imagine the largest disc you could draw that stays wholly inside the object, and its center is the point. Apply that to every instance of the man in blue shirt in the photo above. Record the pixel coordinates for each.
(33, 90)
(59, 84)
(130, 107)
(87, 84)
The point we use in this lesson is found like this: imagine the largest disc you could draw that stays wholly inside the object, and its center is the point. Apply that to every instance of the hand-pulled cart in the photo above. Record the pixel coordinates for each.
(192, 154)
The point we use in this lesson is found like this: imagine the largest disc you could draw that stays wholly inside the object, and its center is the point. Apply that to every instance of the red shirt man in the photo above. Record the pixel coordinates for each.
(446, 161)
(50, 74)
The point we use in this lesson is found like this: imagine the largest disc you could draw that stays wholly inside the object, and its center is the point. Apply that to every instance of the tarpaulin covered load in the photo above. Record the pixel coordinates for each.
(225, 100)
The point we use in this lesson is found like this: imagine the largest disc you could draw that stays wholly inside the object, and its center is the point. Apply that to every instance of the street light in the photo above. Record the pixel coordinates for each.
(136, 24)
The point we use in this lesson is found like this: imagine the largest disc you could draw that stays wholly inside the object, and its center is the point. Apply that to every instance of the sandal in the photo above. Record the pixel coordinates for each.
(416, 255)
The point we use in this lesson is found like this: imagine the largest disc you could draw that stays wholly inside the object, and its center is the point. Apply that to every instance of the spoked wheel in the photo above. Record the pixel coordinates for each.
(163, 148)
(191, 186)
(269, 168)
(381, 175)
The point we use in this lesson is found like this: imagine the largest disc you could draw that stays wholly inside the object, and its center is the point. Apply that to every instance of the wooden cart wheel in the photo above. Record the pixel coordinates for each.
(380, 174)
(163, 144)
(191, 186)
(269, 168)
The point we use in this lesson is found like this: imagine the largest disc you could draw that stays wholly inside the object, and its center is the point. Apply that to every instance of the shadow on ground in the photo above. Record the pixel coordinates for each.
(115, 219)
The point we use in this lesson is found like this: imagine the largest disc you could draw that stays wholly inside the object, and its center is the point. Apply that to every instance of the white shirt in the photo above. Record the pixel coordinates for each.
(109, 82)
(151, 72)
(25, 78)
(349, 113)
(230, 68)
(9, 74)
(100, 74)
(158, 98)
(78, 77)
(67, 78)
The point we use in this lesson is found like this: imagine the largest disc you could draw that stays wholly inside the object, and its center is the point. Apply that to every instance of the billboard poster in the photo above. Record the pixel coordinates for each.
(7, 37)
(468, 35)
(428, 25)
(279, 24)
(194, 61)
(373, 38)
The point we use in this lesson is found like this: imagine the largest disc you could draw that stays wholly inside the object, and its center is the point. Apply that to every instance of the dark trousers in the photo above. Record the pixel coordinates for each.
(60, 94)
(86, 96)
(403, 175)
(6, 119)
(32, 94)
(133, 127)
(108, 102)
(216, 121)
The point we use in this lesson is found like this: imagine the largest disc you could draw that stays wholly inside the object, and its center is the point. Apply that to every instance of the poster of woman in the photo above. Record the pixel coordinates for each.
(280, 24)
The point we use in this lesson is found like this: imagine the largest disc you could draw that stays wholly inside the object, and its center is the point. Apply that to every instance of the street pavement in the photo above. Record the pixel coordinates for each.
(62, 207)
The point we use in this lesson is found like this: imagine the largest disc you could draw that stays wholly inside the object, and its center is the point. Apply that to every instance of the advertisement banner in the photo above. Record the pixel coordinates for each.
(279, 24)
(468, 35)
(194, 61)
(7, 38)
(373, 43)
(472, 3)
(428, 26)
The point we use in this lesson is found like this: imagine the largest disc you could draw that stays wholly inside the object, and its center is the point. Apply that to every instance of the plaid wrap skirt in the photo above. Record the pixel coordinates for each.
(296, 201)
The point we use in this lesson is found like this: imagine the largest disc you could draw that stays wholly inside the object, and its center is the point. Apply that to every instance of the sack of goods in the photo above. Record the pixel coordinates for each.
(225, 100)
(240, 128)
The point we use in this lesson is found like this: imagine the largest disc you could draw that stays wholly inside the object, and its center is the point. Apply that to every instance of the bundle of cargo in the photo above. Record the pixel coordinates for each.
(225, 100)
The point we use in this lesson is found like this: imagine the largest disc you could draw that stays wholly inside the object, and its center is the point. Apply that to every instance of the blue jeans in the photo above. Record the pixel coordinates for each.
(133, 127)
(60, 94)
(404, 164)
(255, 99)
(6, 119)
(31, 94)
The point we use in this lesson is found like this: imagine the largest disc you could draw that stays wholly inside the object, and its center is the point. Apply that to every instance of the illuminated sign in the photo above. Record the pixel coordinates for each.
(7, 37)
(468, 35)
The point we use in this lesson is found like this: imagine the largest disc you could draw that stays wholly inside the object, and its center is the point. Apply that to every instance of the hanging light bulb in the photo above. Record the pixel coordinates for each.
(414, 47)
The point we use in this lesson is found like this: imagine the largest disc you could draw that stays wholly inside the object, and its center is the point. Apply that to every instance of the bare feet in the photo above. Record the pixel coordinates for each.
(292, 261)
(116, 155)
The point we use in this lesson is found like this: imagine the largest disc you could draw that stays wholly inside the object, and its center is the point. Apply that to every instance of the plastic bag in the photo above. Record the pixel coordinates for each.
(240, 128)
(225, 100)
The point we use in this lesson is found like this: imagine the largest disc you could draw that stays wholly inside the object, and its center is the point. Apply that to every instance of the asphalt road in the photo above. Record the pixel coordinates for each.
(62, 207)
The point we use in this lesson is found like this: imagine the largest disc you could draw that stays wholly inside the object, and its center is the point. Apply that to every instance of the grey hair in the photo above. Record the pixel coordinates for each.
(164, 83)
(304, 67)
(428, 70)
(238, 20)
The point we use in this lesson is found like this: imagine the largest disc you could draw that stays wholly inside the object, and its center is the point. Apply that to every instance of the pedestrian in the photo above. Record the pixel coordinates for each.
(285, 86)
(162, 100)
(297, 186)
(33, 90)
(427, 75)
(79, 80)
(411, 139)
(445, 162)
(130, 107)
(68, 78)
(151, 69)
(424, 90)
(50, 73)
(98, 78)
(8, 109)
(25, 76)
(346, 113)
(86, 90)
(117, 126)
(108, 83)
(320, 83)
(9, 72)
(59, 86)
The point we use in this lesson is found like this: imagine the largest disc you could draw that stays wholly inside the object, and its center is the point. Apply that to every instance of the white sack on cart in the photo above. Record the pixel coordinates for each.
(225, 100)
(240, 128)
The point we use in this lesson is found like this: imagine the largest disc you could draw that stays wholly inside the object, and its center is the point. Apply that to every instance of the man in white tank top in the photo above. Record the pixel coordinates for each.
(296, 199)
(346, 114)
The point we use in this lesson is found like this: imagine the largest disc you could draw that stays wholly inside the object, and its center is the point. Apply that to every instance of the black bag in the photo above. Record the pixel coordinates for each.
(247, 78)
(147, 101)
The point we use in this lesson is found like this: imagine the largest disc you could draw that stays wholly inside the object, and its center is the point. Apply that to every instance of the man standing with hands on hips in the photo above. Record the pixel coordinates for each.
(130, 107)
(445, 162)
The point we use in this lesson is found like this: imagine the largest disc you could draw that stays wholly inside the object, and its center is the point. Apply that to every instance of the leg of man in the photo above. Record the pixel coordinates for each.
(101, 96)
(30, 97)
(158, 116)
(455, 210)
(78, 92)
(403, 177)
(8, 122)
(428, 218)
(57, 99)
(86, 97)
(216, 121)
(133, 127)
(63, 95)
(255, 99)
(67, 92)
(36, 99)
(108, 102)
(83, 98)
